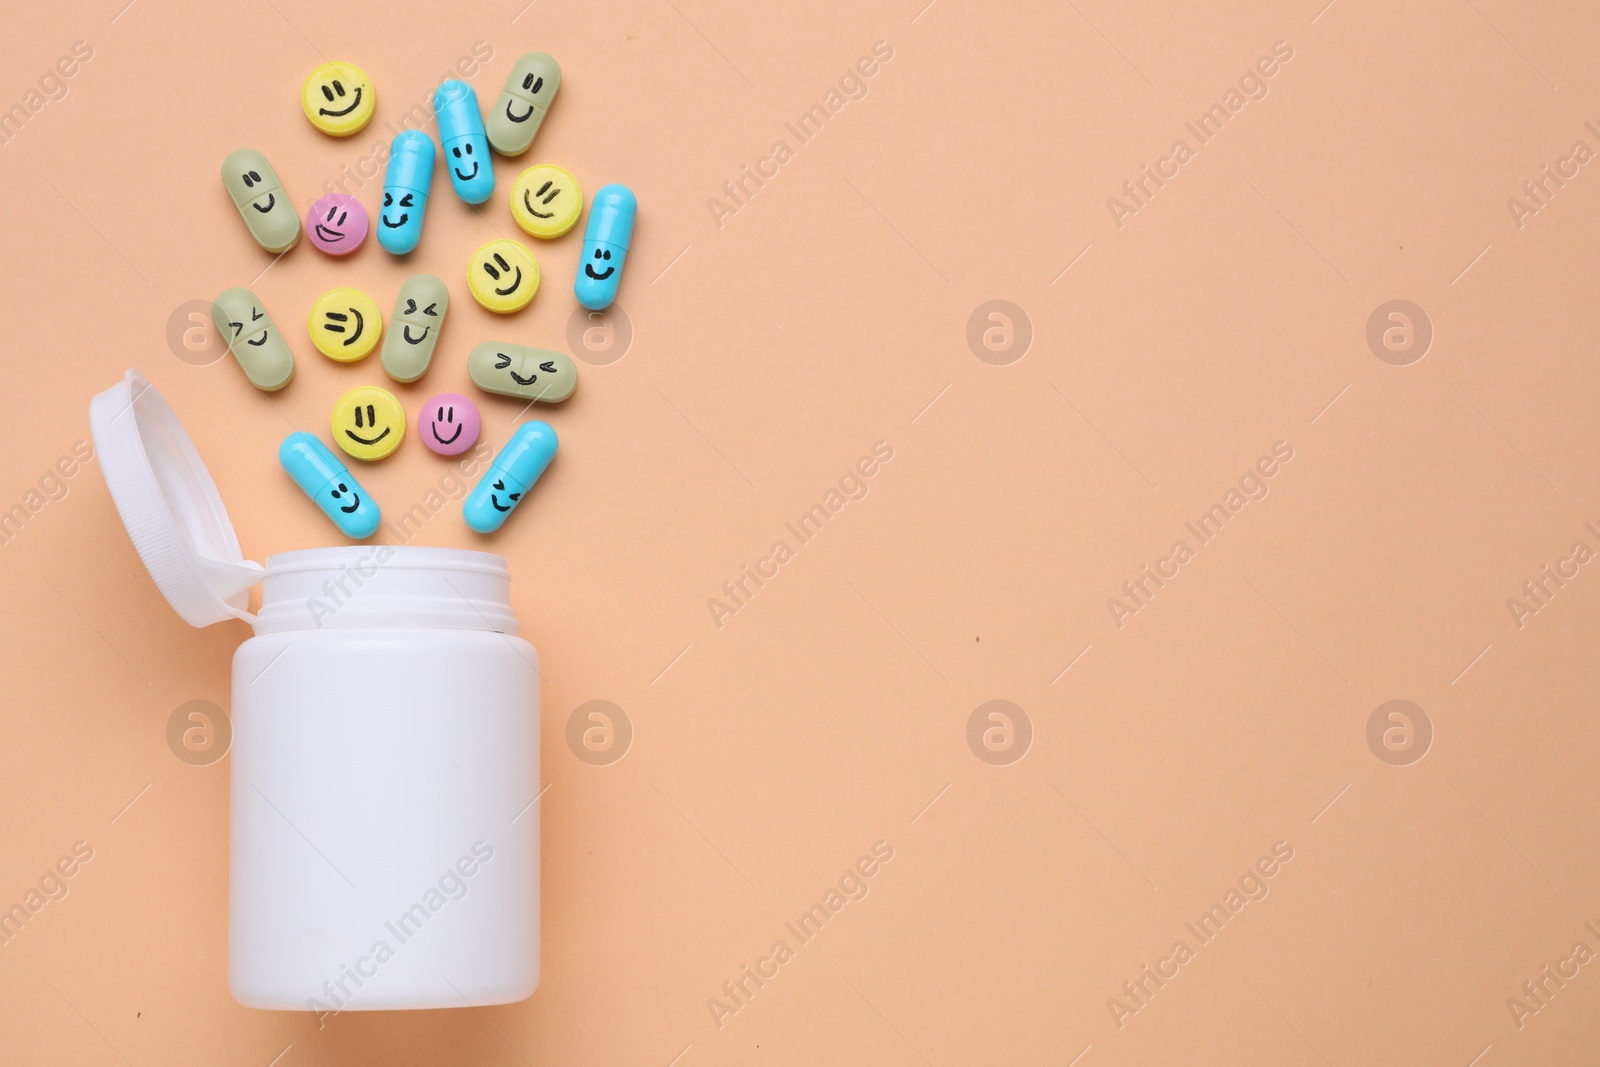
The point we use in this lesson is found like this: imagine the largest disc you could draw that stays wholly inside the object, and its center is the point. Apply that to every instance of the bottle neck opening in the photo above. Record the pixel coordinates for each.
(386, 587)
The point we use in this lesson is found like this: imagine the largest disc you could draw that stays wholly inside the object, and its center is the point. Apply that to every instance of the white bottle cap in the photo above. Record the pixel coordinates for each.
(170, 505)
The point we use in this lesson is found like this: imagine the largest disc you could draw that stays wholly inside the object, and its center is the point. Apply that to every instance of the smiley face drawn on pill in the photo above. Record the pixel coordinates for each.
(449, 424)
(338, 98)
(339, 492)
(464, 156)
(406, 200)
(368, 422)
(345, 325)
(546, 201)
(532, 84)
(337, 224)
(494, 498)
(238, 328)
(409, 313)
(503, 362)
(600, 256)
(251, 179)
(503, 276)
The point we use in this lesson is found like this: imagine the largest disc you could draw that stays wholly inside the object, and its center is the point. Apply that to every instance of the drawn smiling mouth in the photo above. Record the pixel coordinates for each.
(355, 501)
(363, 441)
(508, 290)
(406, 333)
(495, 500)
(520, 380)
(467, 177)
(337, 320)
(336, 114)
(327, 234)
(436, 437)
(259, 341)
(272, 198)
(515, 118)
(536, 214)
(589, 270)
(404, 215)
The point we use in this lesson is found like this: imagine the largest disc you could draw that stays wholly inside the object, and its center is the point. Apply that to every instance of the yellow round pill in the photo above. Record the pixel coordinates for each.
(503, 276)
(368, 422)
(546, 201)
(338, 99)
(345, 324)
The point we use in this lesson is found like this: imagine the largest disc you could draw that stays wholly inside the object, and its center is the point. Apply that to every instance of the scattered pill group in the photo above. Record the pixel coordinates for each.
(346, 325)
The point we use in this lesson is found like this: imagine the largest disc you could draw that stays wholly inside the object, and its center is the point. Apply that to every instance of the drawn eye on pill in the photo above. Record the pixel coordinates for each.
(548, 367)
(338, 322)
(501, 360)
(355, 500)
(601, 254)
(411, 307)
(494, 498)
(256, 314)
(431, 309)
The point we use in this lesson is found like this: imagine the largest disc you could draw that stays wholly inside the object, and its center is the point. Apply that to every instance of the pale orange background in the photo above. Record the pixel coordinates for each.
(831, 712)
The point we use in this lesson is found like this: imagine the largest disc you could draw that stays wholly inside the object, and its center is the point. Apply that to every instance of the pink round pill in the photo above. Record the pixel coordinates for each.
(337, 224)
(449, 424)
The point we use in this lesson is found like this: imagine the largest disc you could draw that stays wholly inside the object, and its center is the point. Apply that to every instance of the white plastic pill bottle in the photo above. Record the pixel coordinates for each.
(384, 848)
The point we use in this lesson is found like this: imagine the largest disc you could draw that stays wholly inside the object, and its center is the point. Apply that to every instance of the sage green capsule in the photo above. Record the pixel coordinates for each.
(255, 342)
(517, 370)
(262, 203)
(522, 105)
(414, 327)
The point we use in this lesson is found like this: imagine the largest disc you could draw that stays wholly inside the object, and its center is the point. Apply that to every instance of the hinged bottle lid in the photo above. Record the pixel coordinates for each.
(170, 505)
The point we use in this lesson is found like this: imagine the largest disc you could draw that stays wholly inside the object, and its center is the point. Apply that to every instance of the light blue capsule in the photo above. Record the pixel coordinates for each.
(465, 144)
(605, 246)
(405, 191)
(321, 476)
(510, 476)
